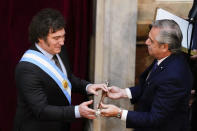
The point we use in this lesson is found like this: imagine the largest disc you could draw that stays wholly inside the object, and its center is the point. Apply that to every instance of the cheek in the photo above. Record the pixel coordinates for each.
(153, 49)
(150, 47)
(53, 43)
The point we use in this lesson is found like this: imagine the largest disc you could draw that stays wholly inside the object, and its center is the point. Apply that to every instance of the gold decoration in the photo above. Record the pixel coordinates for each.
(65, 84)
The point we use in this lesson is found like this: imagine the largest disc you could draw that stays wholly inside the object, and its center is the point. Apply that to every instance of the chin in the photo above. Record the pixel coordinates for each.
(58, 51)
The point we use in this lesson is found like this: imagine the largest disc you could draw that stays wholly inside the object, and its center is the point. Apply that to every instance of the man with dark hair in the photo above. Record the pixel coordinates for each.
(44, 79)
(163, 92)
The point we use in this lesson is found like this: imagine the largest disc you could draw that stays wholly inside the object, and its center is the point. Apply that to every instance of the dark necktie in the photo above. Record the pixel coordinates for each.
(153, 70)
(154, 67)
(57, 62)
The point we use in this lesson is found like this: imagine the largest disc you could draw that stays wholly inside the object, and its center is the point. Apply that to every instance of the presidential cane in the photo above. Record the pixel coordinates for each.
(101, 100)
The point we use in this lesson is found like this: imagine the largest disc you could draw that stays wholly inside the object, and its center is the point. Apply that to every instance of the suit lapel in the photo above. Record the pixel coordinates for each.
(162, 66)
(156, 72)
(146, 72)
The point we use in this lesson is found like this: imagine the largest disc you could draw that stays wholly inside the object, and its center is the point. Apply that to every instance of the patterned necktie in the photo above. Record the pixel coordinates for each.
(57, 62)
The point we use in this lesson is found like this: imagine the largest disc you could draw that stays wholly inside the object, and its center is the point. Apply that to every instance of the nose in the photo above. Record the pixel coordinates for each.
(61, 41)
(147, 41)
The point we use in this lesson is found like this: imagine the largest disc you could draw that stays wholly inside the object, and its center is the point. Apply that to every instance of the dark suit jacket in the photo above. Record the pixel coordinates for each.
(162, 98)
(42, 105)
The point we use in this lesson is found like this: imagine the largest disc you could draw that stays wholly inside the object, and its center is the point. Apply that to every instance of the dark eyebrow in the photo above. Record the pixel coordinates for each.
(59, 36)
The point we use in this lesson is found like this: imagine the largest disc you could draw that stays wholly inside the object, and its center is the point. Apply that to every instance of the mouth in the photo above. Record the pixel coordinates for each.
(58, 47)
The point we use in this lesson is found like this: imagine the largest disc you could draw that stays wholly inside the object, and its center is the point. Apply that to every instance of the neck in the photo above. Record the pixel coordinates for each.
(164, 55)
(45, 47)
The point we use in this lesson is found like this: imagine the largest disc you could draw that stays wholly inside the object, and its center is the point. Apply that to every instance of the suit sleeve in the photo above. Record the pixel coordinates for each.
(31, 89)
(136, 92)
(78, 84)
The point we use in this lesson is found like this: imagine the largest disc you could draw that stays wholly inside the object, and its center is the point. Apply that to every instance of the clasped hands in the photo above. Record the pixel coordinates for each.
(106, 110)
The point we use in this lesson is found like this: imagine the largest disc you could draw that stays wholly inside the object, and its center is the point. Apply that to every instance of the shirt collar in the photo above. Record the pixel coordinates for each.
(44, 51)
(159, 61)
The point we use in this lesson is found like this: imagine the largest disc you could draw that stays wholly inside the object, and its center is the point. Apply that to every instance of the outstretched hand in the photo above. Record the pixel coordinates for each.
(109, 110)
(85, 111)
(116, 92)
(95, 87)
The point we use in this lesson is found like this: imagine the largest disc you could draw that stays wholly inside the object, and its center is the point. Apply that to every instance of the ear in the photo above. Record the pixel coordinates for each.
(165, 47)
(40, 40)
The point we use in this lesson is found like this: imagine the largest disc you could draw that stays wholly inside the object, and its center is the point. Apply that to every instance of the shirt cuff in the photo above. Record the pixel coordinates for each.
(87, 88)
(77, 114)
(128, 93)
(124, 115)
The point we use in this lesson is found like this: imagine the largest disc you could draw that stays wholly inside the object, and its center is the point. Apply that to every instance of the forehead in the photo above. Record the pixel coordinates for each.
(59, 32)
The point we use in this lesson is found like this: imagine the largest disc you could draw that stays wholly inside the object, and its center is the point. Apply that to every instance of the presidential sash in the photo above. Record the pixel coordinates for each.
(51, 69)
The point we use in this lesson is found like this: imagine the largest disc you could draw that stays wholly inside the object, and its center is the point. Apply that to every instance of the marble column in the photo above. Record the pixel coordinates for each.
(115, 52)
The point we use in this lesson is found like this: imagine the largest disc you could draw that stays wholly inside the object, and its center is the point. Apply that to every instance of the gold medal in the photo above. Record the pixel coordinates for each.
(65, 84)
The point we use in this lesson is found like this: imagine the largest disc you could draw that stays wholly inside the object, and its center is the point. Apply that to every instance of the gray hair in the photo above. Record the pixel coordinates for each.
(170, 33)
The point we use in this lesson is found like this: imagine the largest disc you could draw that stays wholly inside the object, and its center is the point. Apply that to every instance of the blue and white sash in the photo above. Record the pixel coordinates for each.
(51, 69)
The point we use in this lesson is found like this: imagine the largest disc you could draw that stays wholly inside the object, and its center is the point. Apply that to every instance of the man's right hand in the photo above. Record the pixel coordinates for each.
(116, 92)
(85, 111)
